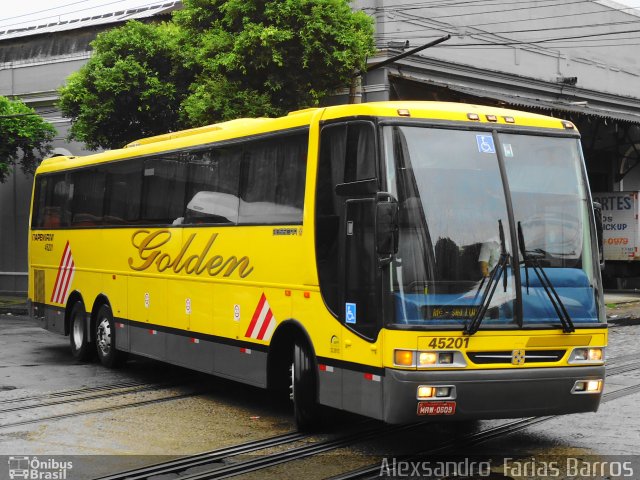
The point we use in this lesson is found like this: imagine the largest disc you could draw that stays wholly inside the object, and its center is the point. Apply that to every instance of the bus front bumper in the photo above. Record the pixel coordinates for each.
(484, 394)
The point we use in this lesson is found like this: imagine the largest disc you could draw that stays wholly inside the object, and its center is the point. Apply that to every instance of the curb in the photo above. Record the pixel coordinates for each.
(14, 310)
(624, 321)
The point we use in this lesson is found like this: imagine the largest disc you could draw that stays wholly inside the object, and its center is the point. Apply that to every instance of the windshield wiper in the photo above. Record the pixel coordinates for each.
(492, 284)
(530, 258)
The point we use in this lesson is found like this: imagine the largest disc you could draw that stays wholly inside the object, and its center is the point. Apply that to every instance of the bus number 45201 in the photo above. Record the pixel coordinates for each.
(449, 342)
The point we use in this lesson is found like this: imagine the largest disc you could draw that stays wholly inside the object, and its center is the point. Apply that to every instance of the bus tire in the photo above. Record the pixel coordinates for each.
(78, 334)
(304, 389)
(105, 337)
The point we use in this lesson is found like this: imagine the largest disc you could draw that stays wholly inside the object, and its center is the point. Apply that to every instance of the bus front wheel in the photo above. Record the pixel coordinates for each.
(304, 389)
(106, 339)
(78, 335)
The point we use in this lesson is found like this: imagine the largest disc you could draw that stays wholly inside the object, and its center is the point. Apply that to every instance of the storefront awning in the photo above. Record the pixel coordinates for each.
(527, 100)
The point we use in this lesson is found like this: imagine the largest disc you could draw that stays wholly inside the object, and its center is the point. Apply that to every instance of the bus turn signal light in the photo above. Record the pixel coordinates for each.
(403, 358)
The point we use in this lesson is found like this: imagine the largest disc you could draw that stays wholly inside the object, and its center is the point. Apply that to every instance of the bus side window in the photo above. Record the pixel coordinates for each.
(163, 189)
(123, 193)
(50, 206)
(213, 185)
(87, 197)
(273, 180)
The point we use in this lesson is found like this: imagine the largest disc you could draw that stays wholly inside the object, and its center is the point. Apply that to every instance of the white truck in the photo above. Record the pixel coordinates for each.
(621, 237)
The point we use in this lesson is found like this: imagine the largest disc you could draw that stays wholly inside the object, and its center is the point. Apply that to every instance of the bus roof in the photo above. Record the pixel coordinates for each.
(244, 127)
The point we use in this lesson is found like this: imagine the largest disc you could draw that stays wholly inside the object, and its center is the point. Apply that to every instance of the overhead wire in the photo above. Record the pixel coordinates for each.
(33, 21)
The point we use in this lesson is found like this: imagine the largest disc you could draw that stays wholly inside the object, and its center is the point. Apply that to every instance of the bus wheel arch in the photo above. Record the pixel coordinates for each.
(292, 362)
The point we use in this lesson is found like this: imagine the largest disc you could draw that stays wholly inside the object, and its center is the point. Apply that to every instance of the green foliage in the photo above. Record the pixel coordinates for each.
(216, 60)
(256, 57)
(132, 86)
(24, 137)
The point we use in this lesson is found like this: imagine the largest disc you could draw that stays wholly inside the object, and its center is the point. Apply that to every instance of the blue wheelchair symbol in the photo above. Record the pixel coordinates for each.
(485, 144)
(350, 316)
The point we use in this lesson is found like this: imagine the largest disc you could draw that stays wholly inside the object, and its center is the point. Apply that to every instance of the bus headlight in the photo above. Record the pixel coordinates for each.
(427, 358)
(587, 355)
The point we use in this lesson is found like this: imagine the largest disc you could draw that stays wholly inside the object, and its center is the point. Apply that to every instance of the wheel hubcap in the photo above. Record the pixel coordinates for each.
(78, 333)
(103, 336)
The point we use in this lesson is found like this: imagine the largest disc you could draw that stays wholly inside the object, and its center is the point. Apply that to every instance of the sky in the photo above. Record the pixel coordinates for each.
(16, 13)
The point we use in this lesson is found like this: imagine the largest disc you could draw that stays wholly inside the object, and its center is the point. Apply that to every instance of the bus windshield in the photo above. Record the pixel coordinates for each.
(452, 208)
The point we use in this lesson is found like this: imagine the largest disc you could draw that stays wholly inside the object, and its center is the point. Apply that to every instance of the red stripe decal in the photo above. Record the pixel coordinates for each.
(256, 315)
(62, 261)
(67, 279)
(265, 325)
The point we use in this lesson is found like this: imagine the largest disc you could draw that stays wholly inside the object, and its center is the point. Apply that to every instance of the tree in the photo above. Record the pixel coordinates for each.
(25, 137)
(132, 86)
(217, 60)
(256, 57)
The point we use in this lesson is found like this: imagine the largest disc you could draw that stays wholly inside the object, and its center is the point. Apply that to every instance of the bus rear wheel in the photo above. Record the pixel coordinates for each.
(105, 336)
(78, 335)
(304, 389)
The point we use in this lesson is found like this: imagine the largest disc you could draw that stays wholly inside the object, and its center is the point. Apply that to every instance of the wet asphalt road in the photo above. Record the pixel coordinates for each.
(151, 411)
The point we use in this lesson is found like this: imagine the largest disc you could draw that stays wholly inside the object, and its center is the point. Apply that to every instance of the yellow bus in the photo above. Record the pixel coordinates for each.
(399, 260)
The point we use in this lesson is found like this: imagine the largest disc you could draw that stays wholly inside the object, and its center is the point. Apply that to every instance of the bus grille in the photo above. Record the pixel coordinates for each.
(506, 356)
(38, 286)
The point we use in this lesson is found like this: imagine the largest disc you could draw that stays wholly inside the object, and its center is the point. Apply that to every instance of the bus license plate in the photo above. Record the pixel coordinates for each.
(436, 408)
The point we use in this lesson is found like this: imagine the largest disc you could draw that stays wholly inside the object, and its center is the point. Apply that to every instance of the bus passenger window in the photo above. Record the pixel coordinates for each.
(212, 186)
(123, 193)
(274, 174)
(87, 197)
(50, 205)
(163, 189)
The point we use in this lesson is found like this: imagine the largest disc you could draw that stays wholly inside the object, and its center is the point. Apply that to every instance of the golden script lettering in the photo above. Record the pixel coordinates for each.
(148, 244)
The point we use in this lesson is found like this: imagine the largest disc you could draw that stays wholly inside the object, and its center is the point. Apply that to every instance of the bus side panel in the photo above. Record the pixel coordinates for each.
(148, 304)
(362, 393)
(330, 386)
(190, 352)
(148, 341)
(244, 364)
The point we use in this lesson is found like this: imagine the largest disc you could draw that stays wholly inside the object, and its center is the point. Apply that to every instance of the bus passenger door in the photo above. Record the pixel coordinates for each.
(361, 315)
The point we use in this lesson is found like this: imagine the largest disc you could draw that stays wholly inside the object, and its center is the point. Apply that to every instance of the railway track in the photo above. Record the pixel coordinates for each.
(220, 470)
(99, 410)
(82, 396)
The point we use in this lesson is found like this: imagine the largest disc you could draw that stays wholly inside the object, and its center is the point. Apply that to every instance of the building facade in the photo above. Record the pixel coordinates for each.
(35, 61)
(575, 60)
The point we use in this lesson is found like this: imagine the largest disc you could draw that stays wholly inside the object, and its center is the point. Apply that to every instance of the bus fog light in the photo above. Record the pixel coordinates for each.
(403, 358)
(425, 392)
(587, 386)
(443, 391)
(445, 358)
(594, 386)
(428, 358)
